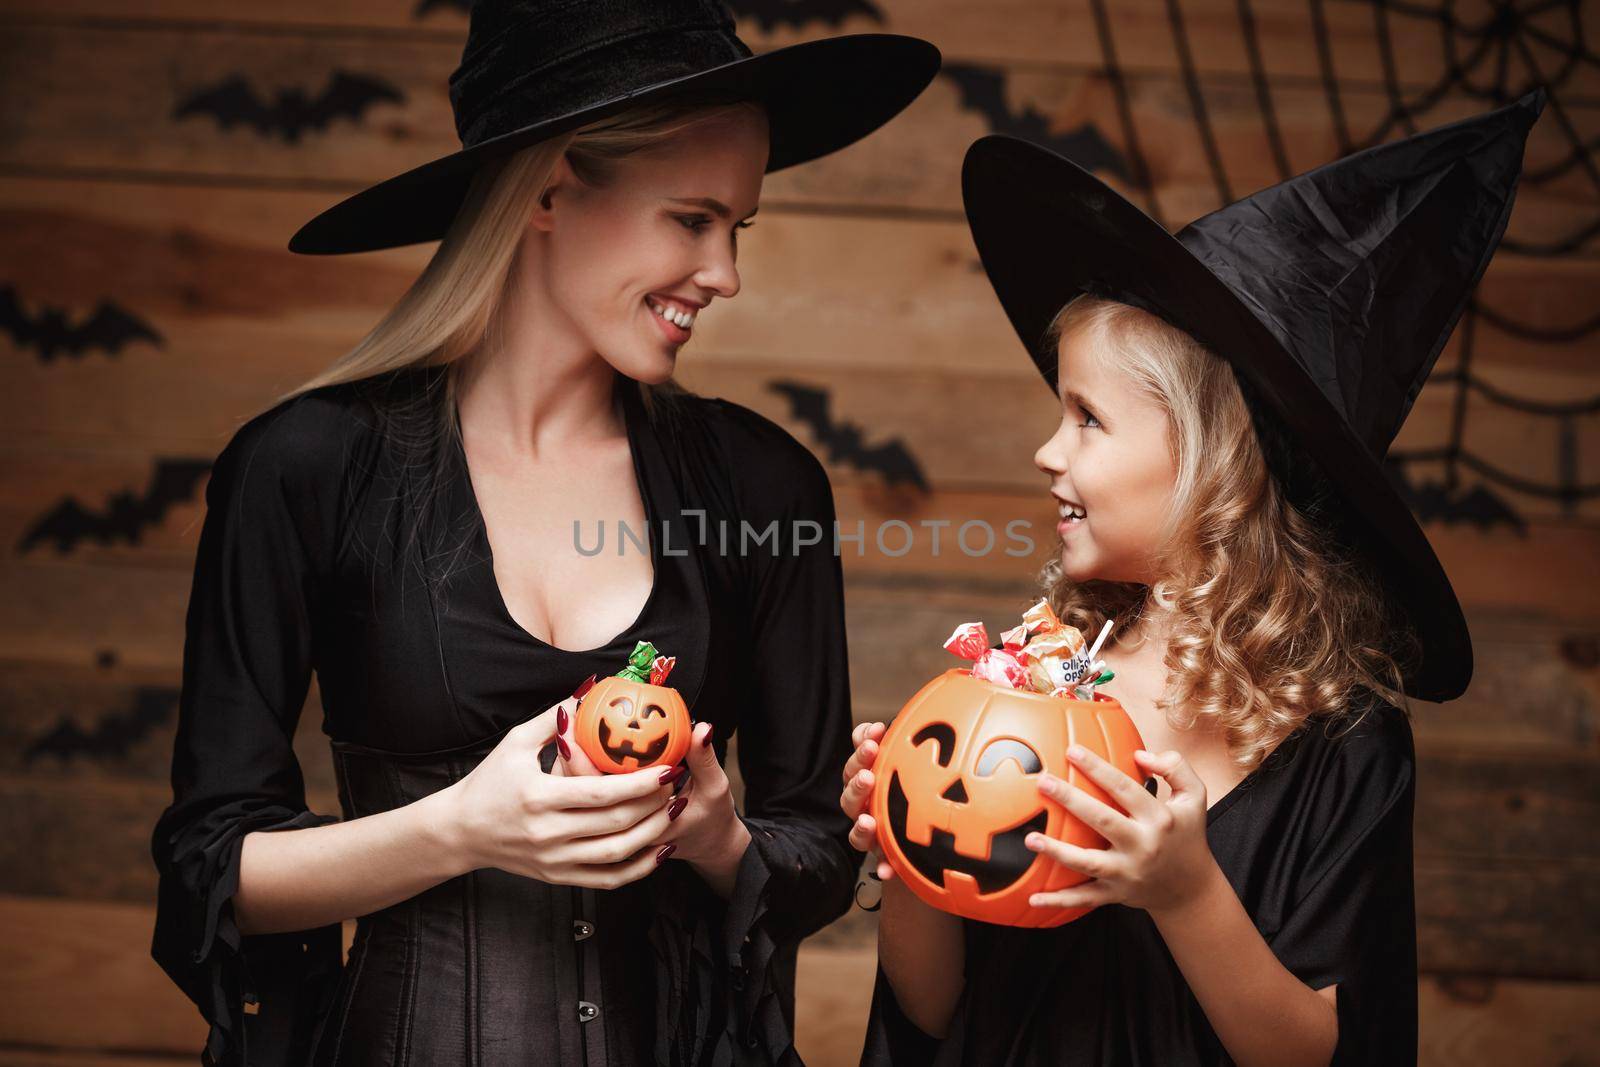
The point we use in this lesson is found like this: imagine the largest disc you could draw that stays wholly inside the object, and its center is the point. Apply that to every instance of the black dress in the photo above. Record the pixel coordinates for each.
(1316, 841)
(306, 562)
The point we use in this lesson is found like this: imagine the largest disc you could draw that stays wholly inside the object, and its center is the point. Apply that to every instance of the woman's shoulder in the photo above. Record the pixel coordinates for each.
(771, 470)
(308, 440)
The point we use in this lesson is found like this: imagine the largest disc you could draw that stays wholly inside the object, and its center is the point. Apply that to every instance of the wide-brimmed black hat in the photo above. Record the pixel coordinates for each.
(1331, 294)
(532, 69)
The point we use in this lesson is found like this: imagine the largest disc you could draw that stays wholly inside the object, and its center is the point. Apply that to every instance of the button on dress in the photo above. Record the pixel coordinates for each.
(326, 548)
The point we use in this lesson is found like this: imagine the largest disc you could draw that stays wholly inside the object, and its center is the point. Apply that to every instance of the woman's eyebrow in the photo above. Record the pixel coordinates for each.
(711, 204)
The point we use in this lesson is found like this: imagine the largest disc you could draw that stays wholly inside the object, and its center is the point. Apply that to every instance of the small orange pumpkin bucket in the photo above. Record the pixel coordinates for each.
(631, 721)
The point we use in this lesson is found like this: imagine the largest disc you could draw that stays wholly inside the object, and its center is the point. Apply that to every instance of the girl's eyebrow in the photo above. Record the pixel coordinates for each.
(1081, 400)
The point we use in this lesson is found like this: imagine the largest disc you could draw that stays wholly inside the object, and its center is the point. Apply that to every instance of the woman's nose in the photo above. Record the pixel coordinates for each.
(720, 275)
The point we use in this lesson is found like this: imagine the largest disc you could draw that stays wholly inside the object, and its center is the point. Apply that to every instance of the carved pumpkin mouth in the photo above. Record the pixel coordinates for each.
(624, 748)
(1009, 859)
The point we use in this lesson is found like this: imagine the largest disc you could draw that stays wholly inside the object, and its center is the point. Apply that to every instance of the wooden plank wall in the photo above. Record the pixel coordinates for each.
(155, 307)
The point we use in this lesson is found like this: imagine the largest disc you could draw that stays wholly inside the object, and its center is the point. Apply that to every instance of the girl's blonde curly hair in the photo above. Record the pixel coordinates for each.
(1270, 621)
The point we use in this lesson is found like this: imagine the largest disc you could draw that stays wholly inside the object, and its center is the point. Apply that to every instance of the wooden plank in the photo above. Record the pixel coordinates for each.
(1036, 31)
(1487, 1020)
(59, 956)
(143, 112)
(1509, 917)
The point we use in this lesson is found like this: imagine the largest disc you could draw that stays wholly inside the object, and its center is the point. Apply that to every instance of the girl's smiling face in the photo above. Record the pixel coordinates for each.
(632, 261)
(1111, 466)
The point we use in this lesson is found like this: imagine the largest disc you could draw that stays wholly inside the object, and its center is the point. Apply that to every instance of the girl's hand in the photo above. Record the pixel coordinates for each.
(858, 782)
(1158, 857)
(703, 827)
(569, 828)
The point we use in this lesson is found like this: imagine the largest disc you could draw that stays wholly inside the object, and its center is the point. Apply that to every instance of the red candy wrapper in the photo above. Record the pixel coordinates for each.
(998, 665)
(660, 667)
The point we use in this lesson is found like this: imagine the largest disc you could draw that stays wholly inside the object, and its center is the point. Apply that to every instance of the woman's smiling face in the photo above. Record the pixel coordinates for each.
(659, 237)
(1111, 466)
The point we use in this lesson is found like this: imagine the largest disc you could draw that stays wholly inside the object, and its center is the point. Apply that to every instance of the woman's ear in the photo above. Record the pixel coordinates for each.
(542, 217)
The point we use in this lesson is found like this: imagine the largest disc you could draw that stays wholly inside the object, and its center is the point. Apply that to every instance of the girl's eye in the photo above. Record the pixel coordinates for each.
(1089, 421)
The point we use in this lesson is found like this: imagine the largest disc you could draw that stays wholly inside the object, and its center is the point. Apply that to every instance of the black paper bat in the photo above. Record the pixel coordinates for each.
(425, 6)
(233, 101)
(983, 89)
(114, 736)
(125, 516)
(107, 328)
(797, 14)
(1435, 501)
(842, 440)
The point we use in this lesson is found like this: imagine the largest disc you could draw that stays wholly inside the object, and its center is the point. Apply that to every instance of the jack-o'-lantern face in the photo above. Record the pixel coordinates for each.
(625, 726)
(957, 793)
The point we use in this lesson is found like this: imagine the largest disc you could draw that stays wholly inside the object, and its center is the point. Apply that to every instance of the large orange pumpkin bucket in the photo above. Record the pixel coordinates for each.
(956, 793)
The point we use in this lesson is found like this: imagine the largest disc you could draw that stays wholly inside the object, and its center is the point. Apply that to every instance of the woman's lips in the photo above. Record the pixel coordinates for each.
(673, 332)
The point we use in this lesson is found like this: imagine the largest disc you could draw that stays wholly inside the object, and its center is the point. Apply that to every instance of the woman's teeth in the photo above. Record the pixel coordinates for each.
(681, 319)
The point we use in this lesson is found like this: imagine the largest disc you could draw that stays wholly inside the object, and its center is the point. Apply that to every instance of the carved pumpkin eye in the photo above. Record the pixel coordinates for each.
(653, 711)
(943, 736)
(624, 704)
(1001, 749)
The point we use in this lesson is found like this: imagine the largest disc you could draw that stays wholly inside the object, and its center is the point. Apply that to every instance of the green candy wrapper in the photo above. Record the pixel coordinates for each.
(639, 661)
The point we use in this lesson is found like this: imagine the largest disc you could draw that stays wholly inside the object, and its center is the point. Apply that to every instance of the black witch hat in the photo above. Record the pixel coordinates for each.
(532, 69)
(1331, 294)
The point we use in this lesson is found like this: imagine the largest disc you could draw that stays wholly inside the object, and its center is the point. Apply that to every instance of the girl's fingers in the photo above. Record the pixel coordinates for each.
(866, 731)
(1121, 788)
(864, 834)
(1090, 862)
(862, 757)
(1176, 770)
(856, 792)
(1087, 895)
(1104, 820)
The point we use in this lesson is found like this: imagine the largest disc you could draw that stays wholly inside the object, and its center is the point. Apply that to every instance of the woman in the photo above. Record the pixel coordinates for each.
(1227, 397)
(417, 526)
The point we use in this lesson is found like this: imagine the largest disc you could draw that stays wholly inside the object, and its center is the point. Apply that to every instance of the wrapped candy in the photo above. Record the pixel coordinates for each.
(660, 667)
(998, 665)
(639, 663)
(1055, 658)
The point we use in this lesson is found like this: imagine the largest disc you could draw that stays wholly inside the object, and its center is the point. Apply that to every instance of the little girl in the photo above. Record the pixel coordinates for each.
(1227, 398)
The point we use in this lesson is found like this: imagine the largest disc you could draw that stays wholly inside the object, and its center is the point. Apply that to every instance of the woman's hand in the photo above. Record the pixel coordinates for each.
(1158, 857)
(703, 828)
(568, 828)
(858, 782)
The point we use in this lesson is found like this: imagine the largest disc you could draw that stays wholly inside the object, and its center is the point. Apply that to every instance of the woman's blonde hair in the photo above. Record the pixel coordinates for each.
(1270, 621)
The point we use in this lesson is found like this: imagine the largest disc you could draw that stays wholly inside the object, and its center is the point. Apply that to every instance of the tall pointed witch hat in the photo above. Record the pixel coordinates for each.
(1331, 294)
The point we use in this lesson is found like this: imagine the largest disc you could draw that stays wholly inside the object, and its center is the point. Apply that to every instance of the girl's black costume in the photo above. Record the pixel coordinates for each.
(1316, 842)
(307, 562)
(1330, 295)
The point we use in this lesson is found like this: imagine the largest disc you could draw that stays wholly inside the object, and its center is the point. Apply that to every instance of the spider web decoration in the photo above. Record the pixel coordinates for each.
(1493, 59)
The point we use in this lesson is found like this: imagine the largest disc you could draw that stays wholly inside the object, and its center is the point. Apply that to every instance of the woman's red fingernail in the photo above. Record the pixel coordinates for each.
(675, 809)
(561, 747)
(588, 683)
(666, 850)
(706, 740)
(672, 774)
(561, 720)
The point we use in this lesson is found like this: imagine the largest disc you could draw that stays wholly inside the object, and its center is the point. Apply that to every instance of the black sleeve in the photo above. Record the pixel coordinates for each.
(794, 734)
(1354, 919)
(246, 672)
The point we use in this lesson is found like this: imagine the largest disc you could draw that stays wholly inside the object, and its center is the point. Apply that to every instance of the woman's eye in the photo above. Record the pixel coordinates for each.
(693, 222)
